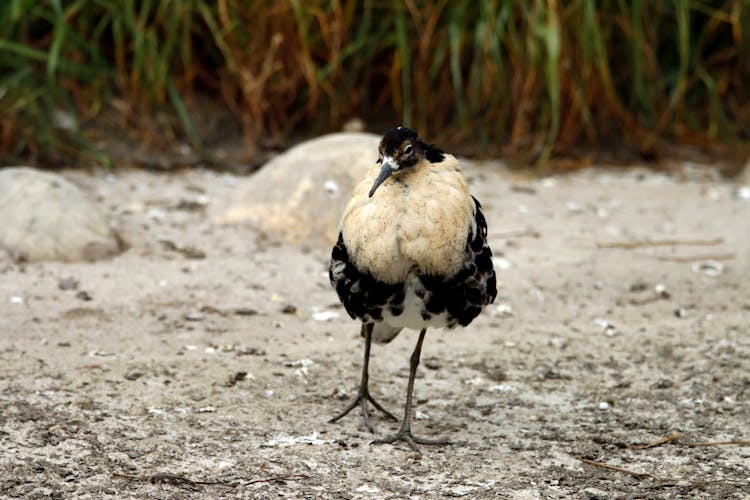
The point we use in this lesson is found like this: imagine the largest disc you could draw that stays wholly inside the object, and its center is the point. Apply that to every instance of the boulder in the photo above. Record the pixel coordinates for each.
(299, 196)
(45, 217)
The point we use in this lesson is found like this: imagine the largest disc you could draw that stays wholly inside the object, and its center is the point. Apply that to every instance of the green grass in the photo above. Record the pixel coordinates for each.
(535, 79)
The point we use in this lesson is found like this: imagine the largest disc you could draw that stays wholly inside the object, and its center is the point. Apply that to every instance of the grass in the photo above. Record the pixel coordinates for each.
(538, 79)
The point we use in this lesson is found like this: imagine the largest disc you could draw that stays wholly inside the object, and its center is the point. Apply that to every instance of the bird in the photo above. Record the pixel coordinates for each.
(412, 253)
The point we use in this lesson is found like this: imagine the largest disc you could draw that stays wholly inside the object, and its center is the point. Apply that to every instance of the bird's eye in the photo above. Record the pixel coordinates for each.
(408, 149)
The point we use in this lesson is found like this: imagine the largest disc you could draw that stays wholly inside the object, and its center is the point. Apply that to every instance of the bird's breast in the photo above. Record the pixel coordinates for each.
(416, 221)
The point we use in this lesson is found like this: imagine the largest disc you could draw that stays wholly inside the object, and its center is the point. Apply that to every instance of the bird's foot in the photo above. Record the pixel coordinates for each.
(363, 396)
(406, 436)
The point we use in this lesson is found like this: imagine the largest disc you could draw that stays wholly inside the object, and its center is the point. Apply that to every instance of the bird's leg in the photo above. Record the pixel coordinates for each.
(363, 394)
(404, 434)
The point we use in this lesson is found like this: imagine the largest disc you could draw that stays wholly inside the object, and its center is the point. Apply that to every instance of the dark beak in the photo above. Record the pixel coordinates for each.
(388, 168)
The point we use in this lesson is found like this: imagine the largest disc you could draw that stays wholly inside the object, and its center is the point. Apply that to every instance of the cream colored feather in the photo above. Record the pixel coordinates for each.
(418, 219)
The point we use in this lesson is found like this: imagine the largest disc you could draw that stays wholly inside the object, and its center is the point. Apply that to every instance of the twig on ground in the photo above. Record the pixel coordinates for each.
(171, 479)
(521, 188)
(664, 440)
(95, 366)
(183, 482)
(661, 295)
(213, 310)
(531, 233)
(659, 243)
(620, 469)
(738, 442)
(282, 477)
(187, 251)
(694, 258)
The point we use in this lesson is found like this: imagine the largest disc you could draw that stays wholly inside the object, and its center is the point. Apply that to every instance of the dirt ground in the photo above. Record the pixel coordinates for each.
(205, 361)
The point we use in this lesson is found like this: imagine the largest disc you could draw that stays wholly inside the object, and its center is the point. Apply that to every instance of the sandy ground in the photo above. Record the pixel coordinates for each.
(206, 360)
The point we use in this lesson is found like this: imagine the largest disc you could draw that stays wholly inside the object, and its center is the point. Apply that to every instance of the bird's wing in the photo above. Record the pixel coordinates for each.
(363, 296)
(474, 286)
(479, 259)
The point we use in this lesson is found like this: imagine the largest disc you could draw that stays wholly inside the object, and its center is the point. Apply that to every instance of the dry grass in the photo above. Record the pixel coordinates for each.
(536, 79)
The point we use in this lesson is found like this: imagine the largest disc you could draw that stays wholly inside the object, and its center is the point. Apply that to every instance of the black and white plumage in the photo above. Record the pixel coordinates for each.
(412, 253)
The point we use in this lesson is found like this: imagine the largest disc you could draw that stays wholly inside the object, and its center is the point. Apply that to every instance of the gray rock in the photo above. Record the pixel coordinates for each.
(299, 195)
(45, 217)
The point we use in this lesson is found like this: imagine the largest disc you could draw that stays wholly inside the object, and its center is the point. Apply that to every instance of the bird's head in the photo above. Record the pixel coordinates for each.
(400, 149)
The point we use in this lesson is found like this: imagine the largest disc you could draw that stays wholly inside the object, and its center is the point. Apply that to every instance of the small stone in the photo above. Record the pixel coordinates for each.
(574, 207)
(325, 315)
(607, 326)
(156, 214)
(331, 187)
(195, 205)
(663, 384)
(250, 351)
(134, 375)
(68, 283)
(503, 310)
(550, 374)
(194, 316)
(289, 309)
(234, 378)
(432, 363)
(708, 267)
(192, 253)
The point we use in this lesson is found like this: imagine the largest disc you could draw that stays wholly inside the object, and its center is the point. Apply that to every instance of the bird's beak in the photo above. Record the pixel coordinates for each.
(389, 166)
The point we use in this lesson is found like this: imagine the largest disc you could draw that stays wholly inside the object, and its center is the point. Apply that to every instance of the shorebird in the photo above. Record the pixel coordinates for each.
(411, 253)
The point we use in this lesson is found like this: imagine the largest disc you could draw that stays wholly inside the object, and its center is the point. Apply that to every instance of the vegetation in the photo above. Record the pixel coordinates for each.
(540, 78)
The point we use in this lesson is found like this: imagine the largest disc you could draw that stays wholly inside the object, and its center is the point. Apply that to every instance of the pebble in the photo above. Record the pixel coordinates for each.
(194, 316)
(68, 283)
